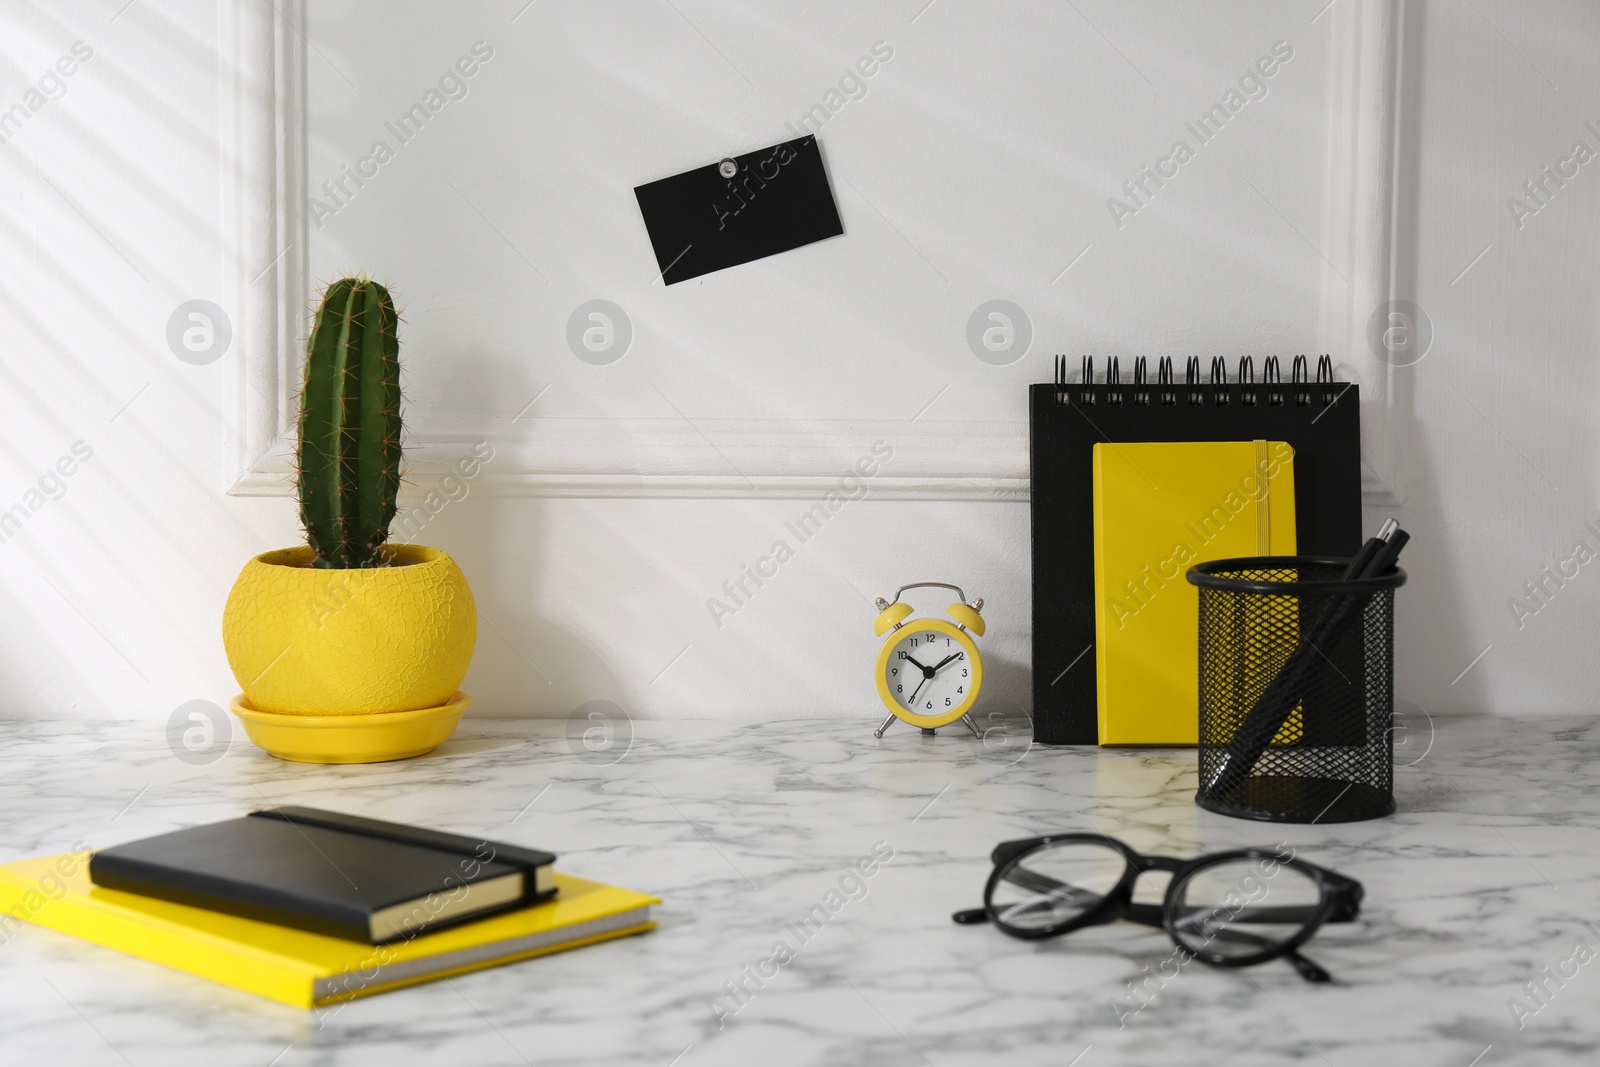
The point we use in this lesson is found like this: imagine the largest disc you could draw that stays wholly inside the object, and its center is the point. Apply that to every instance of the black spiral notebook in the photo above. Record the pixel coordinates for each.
(1320, 420)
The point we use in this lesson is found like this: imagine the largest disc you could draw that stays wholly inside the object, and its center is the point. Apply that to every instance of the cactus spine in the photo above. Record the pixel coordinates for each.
(349, 451)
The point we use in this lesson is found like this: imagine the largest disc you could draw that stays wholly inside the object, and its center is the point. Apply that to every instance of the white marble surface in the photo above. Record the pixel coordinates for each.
(1486, 875)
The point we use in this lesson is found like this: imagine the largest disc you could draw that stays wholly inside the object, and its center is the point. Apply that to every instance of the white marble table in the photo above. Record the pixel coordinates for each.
(1486, 875)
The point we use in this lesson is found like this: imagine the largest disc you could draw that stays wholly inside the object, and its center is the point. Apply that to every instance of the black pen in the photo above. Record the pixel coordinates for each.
(1363, 557)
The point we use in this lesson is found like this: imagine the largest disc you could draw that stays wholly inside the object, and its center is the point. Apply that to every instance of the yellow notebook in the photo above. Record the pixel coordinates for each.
(1158, 508)
(298, 968)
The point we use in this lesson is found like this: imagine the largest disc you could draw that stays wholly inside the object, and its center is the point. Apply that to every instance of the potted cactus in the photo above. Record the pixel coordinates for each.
(350, 649)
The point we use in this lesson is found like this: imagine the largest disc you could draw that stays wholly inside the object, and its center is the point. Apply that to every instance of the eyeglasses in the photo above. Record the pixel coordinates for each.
(1228, 909)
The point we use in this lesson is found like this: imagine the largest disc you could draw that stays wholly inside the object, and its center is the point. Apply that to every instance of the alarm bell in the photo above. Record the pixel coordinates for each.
(890, 616)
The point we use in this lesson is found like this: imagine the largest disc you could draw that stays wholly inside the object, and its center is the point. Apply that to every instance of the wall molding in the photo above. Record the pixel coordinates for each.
(263, 104)
(261, 107)
(1360, 227)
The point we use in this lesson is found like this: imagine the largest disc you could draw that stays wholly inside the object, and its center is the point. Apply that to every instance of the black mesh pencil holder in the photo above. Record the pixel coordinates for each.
(1296, 689)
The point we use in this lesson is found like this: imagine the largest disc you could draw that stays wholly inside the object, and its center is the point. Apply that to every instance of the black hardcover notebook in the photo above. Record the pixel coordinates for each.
(1320, 420)
(342, 875)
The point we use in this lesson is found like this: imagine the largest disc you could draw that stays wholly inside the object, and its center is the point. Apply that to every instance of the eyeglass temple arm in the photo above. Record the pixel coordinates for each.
(1052, 888)
(1346, 896)
(1042, 884)
(1307, 969)
(1345, 910)
(1143, 914)
(1282, 914)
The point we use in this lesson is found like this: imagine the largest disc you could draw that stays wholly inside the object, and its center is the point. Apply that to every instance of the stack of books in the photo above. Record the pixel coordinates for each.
(311, 907)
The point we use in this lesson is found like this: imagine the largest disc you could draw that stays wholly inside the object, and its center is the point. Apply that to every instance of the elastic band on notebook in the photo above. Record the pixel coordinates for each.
(1263, 510)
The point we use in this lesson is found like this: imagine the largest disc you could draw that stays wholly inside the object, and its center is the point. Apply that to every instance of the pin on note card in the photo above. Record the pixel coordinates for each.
(739, 209)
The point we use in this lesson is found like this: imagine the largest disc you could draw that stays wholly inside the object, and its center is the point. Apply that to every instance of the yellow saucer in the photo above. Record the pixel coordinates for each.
(389, 735)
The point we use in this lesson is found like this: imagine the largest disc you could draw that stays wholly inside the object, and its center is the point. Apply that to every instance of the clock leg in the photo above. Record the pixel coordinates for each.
(878, 733)
(972, 726)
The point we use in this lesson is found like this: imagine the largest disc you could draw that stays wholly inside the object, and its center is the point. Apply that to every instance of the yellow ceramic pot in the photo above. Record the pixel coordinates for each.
(304, 641)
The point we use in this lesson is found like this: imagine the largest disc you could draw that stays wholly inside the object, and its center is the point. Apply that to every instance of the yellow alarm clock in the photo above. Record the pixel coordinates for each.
(929, 670)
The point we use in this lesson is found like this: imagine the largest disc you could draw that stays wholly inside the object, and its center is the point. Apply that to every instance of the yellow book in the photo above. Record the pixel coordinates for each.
(299, 968)
(1158, 508)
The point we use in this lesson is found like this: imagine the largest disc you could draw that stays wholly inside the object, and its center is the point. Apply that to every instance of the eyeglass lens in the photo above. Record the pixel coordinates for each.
(1242, 907)
(1055, 884)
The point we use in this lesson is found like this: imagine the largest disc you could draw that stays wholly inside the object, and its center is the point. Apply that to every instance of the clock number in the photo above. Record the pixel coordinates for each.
(963, 672)
(913, 642)
(947, 702)
(893, 671)
(930, 704)
(899, 689)
(959, 689)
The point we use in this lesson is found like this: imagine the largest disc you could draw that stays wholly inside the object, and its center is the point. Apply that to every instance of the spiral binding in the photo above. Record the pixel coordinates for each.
(1271, 382)
(1297, 377)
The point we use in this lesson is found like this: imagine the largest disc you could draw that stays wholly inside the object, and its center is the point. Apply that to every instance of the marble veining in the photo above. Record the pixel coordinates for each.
(1484, 877)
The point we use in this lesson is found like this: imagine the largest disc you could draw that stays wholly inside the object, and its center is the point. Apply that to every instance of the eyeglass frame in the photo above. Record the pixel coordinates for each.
(1340, 898)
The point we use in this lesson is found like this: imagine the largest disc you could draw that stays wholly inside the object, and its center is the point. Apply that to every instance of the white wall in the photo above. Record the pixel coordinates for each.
(977, 165)
(1504, 435)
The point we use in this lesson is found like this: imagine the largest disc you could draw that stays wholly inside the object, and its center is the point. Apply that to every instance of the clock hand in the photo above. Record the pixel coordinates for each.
(947, 659)
(917, 690)
(927, 673)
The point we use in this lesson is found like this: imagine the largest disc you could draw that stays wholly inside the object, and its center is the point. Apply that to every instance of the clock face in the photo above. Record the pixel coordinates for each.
(930, 671)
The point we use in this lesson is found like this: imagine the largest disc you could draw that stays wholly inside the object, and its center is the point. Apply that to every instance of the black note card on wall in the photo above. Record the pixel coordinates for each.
(702, 220)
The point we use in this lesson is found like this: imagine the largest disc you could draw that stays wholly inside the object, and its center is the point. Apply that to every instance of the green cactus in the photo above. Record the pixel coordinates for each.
(349, 452)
